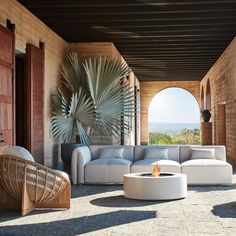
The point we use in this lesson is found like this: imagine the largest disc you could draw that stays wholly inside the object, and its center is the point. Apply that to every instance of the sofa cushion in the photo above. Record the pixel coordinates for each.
(17, 151)
(173, 151)
(128, 151)
(205, 163)
(146, 165)
(111, 152)
(156, 153)
(107, 170)
(207, 171)
(185, 152)
(202, 153)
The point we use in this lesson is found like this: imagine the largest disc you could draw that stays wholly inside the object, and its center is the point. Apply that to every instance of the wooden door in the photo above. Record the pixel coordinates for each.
(20, 104)
(7, 58)
(35, 101)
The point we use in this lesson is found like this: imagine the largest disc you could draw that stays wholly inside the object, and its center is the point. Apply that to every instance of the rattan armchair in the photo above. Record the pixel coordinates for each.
(28, 185)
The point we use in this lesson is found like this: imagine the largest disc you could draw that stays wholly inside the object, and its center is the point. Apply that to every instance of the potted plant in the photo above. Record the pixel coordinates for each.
(206, 115)
(93, 98)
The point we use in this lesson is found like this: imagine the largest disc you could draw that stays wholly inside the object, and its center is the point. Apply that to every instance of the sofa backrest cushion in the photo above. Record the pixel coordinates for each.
(128, 150)
(111, 152)
(173, 151)
(185, 152)
(156, 153)
(202, 153)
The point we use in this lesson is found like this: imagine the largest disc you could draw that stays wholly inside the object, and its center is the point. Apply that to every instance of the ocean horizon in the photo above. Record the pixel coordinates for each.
(171, 128)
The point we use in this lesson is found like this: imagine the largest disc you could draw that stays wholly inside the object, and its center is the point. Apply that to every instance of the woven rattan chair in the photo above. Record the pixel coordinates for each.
(28, 185)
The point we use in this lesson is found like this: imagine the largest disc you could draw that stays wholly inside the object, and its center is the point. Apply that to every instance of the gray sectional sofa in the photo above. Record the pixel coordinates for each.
(103, 164)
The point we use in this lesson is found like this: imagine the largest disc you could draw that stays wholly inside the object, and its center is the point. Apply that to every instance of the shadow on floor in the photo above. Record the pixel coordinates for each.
(120, 201)
(227, 210)
(86, 190)
(12, 214)
(79, 225)
(210, 188)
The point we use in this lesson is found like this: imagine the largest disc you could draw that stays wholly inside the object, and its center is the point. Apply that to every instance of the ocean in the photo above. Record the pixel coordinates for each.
(172, 128)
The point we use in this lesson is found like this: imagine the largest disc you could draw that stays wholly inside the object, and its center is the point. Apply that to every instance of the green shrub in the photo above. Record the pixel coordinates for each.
(185, 136)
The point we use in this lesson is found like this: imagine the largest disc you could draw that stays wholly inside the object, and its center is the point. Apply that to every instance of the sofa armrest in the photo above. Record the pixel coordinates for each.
(80, 157)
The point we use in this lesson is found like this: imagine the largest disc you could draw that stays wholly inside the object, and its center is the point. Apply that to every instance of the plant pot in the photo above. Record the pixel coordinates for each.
(67, 150)
(206, 115)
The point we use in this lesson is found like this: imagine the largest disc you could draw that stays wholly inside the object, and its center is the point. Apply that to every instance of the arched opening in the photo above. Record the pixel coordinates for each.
(202, 99)
(174, 118)
(208, 96)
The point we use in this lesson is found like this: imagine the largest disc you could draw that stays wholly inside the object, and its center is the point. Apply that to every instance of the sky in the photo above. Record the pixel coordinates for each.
(174, 105)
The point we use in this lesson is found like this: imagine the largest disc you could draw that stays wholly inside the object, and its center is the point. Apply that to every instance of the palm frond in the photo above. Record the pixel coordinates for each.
(102, 73)
(63, 122)
(72, 72)
(84, 137)
(100, 101)
(62, 128)
(112, 98)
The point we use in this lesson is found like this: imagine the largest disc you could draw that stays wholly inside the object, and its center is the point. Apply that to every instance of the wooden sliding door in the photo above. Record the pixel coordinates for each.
(35, 101)
(7, 58)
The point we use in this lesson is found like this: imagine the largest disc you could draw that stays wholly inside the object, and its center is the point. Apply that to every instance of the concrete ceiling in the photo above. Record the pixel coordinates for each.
(160, 40)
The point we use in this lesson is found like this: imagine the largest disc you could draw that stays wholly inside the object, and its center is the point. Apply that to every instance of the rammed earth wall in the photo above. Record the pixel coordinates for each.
(222, 78)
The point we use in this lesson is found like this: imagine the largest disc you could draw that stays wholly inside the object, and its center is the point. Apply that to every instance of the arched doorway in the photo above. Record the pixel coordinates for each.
(174, 117)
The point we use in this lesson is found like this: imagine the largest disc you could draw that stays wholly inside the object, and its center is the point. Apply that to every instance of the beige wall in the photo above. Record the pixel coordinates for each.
(30, 29)
(94, 49)
(222, 77)
(149, 89)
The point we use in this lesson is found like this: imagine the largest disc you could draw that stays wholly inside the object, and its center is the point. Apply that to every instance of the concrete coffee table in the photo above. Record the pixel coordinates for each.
(143, 186)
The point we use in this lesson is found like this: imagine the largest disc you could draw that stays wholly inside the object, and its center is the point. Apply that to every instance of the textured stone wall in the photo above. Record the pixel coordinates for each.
(29, 29)
(149, 89)
(222, 78)
(94, 49)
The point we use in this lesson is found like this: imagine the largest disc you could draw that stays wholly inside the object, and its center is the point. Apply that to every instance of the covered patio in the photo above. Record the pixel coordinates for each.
(163, 44)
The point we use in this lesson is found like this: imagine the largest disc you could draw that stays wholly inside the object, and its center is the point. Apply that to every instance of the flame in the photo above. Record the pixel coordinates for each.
(156, 170)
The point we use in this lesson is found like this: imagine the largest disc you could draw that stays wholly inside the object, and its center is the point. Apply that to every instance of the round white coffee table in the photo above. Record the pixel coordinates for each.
(143, 186)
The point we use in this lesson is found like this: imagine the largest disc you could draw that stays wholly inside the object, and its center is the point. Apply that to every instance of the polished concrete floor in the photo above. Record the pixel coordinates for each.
(102, 210)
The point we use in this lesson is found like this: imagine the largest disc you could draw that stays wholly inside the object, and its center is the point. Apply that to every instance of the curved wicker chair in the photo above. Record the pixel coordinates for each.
(31, 185)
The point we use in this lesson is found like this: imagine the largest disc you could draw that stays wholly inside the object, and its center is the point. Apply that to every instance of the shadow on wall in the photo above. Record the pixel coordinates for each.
(227, 210)
(80, 225)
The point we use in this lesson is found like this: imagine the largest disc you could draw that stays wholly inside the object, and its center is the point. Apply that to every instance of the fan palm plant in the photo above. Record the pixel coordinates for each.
(94, 96)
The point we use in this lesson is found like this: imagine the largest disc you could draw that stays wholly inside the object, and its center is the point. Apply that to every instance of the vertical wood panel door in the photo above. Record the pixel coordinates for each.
(35, 98)
(7, 58)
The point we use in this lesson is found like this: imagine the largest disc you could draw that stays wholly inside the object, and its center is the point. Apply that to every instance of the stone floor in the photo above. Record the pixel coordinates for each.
(102, 210)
